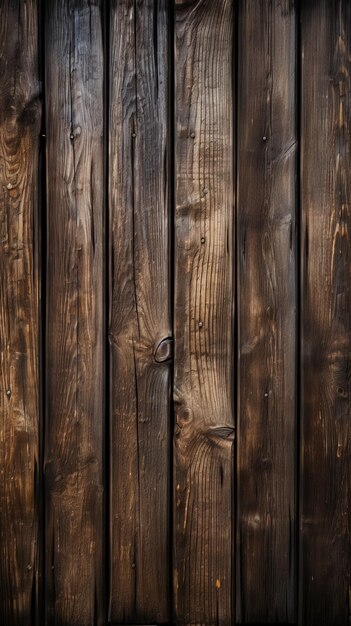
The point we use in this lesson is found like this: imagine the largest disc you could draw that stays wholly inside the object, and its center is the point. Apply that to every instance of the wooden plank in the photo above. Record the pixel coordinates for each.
(139, 312)
(266, 448)
(203, 314)
(75, 326)
(325, 573)
(20, 115)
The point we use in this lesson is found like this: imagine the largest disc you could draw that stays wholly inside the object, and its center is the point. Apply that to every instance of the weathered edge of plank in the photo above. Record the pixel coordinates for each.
(325, 495)
(73, 462)
(203, 313)
(20, 115)
(266, 224)
(140, 316)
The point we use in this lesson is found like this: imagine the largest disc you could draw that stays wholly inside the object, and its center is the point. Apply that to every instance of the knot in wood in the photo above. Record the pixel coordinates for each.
(164, 350)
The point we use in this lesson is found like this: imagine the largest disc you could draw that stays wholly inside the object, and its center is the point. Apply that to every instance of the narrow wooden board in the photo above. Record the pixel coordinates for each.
(266, 210)
(20, 115)
(140, 323)
(75, 312)
(325, 572)
(203, 313)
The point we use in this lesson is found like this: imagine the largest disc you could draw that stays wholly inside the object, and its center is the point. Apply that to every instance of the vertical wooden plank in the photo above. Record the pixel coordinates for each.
(20, 114)
(140, 322)
(75, 383)
(203, 323)
(326, 323)
(267, 301)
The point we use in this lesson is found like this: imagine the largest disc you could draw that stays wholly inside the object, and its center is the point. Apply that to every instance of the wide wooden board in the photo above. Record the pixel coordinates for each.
(20, 115)
(266, 253)
(325, 557)
(139, 312)
(75, 415)
(203, 313)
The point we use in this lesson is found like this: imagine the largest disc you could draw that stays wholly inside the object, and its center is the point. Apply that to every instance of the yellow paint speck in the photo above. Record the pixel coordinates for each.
(218, 583)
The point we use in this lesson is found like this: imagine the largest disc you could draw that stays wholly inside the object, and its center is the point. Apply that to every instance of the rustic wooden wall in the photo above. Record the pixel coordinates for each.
(175, 312)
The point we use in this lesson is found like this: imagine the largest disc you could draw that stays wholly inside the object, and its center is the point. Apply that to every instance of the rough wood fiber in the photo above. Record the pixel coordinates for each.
(325, 574)
(74, 341)
(20, 113)
(139, 312)
(266, 460)
(203, 316)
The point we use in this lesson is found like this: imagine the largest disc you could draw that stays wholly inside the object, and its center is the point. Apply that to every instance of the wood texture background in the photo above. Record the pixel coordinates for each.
(175, 335)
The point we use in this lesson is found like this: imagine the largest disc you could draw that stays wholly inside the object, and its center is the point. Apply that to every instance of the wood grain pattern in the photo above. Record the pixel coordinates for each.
(266, 447)
(139, 312)
(74, 339)
(20, 114)
(325, 574)
(203, 314)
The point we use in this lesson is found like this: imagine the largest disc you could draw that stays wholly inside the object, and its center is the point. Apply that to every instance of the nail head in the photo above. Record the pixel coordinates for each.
(203, 239)
(200, 324)
(192, 135)
(8, 392)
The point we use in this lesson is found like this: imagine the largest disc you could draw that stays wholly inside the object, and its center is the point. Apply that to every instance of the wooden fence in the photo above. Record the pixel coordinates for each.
(175, 313)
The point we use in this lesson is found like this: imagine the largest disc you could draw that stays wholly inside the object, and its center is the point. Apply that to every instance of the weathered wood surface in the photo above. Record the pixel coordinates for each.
(75, 317)
(203, 314)
(20, 115)
(140, 323)
(266, 201)
(325, 574)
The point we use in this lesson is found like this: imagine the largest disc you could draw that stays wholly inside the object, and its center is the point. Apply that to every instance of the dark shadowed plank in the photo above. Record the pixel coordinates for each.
(20, 114)
(74, 369)
(266, 319)
(139, 312)
(325, 574)
(203, 377)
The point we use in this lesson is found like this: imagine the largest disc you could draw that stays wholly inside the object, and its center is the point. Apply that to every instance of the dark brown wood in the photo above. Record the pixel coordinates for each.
(203, 314)
(74, 287)
(20, 115)
(266, 206)
(139, 312)
(325, 573)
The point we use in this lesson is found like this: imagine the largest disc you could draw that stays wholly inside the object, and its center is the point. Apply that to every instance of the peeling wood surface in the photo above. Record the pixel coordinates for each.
(266, 208)
(20, 115)
(139, 190)
(73, 462)
(325, 574)
(203, 313)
